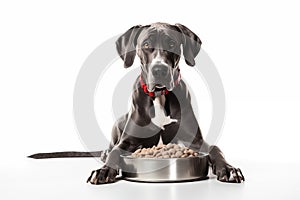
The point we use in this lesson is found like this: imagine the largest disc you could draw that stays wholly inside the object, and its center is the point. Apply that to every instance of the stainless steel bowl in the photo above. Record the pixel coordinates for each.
(164, 169)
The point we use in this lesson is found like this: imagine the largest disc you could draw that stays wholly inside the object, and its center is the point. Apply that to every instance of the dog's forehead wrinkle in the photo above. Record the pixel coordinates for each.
(158, 32)
(145, 33)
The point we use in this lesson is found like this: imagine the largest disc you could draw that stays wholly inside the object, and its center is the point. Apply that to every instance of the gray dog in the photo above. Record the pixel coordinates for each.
(161, 104)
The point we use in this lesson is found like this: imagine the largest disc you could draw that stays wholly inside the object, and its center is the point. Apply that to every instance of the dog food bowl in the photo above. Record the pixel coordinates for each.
(165, 169)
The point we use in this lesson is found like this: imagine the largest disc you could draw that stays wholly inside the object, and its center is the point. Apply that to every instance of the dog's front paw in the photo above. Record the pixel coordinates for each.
(104, 175)
(227, 173)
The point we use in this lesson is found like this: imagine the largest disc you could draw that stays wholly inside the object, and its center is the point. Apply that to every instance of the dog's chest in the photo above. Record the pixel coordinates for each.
(160, 119)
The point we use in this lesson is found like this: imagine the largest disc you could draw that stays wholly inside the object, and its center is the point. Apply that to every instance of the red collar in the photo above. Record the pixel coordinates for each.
(159, 92)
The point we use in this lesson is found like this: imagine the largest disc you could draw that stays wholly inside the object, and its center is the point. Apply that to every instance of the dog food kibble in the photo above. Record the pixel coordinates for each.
(165, 151)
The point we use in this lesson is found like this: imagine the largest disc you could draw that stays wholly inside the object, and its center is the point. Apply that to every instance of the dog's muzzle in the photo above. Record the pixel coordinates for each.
(160, 89)
(160, 76)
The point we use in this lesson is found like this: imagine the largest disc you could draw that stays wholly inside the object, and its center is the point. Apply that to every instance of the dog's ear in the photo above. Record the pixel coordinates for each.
(191, 44)
(126, 44)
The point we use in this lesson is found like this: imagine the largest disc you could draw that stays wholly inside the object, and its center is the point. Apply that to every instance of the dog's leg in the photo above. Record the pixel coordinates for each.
(108, 173)
(189, 129)
(220, 167)
(104, 175)
(110, 170)
(127, 137)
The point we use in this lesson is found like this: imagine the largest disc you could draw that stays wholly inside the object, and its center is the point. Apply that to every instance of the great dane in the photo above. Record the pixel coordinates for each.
(161, 110)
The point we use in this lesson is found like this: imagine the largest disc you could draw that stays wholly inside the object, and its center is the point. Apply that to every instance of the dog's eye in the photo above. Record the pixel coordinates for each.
(146, 45)
(171, 44)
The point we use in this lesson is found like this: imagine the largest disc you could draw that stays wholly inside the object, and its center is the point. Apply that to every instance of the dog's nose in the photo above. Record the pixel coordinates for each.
(159, 71)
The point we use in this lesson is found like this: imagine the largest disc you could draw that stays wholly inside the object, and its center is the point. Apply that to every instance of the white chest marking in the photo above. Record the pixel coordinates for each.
(160, 119)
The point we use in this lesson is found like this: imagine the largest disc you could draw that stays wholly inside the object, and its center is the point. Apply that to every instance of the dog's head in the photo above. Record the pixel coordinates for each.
(159, 49)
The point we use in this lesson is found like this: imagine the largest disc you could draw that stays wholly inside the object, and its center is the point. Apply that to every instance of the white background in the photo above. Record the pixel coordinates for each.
(254, 44)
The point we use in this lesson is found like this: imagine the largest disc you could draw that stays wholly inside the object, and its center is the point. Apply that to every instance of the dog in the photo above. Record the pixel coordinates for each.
(161, 110)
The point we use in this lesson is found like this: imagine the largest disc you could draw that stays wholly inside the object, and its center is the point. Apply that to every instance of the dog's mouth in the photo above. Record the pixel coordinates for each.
(160, 86)
(157, 87)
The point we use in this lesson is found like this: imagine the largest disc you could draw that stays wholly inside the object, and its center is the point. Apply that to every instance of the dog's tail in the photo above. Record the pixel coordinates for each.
(71, 154)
